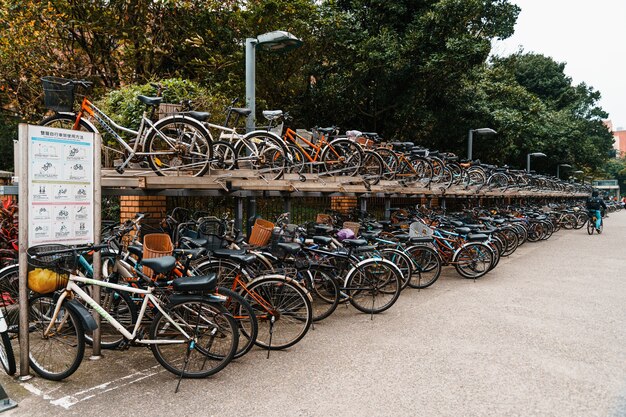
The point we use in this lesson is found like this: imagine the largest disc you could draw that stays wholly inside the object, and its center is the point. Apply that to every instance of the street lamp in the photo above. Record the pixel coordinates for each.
(276, 41)
(528, 159)
(559, 166)
(470, 138)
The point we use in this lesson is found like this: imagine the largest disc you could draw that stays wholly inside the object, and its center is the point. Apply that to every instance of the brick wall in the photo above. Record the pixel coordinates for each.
(343, 204)
(155, 205)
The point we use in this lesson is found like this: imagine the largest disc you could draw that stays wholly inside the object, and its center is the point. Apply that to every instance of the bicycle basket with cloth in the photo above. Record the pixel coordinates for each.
(49, 273)
(419, 229)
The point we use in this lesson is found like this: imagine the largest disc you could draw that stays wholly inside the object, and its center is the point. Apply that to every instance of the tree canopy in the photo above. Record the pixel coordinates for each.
(416, 70)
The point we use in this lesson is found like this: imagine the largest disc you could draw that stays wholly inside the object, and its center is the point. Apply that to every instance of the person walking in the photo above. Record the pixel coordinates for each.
(594, 205)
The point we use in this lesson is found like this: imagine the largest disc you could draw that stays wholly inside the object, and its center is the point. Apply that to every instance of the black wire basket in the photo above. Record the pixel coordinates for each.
(58, 93)
(49, 273)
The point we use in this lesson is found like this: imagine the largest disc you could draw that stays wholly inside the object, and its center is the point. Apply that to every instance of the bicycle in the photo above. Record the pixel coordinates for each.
(174, 145)
(193, 331)
(591, 223)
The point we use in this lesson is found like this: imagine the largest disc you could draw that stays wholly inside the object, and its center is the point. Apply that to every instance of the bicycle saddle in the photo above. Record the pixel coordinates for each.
(235, 255)
(462, 230)
(402, 237)
(371, 234)
(199, 115)
(197, 242)
(477, 237)
(150, 101)
(194, 253)
(241, 111)
(421, 239)
(136, 250)
(160, 265)
(197, 283)
(322, 240)
(353, 243)
(272, 114)
(290, 247)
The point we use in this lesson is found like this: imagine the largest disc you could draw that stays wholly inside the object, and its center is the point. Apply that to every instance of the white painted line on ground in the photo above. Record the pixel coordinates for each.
(69, 401)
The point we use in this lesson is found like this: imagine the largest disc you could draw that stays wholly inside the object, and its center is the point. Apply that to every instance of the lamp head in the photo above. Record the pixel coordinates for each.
(485, 131)
(278, 41)
(537, 154)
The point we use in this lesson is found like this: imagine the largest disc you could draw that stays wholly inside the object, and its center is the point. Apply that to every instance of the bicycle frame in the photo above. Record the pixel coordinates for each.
(148, 297)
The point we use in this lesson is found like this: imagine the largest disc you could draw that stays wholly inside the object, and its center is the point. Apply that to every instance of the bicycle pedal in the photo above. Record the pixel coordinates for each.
(124, 345)
(119, 170)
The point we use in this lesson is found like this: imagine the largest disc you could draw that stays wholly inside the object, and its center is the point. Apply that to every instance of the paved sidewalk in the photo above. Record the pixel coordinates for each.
(542, 335)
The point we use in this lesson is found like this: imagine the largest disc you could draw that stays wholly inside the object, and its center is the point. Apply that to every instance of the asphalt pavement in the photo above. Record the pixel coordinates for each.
(544, 334)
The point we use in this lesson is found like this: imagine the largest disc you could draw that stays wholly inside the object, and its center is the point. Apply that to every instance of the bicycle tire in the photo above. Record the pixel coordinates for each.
(243, 314)
(122, 308)
(6, 354)
(224, 156)
(324, 292)
(402, 261)
(372, 279)
(54, 357)
(218, 326)
(179, 145)
(473, 260)
(426, 266)
(390, 160)
(371, 169)
(298, 159)
(291, 313)
(342, 157)
(270, 157)
(66, 121)
(10, 295)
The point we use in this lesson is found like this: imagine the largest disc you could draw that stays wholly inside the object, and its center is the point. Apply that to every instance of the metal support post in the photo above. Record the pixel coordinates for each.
(387, 208)
(251, 213)
(250, 81)
(363, 205)
(23, 247)
(239, 213)
(470, 138)
(287, 205)
(97, 222)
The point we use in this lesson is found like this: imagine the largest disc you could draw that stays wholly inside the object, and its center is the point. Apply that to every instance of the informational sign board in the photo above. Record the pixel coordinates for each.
(60, 186)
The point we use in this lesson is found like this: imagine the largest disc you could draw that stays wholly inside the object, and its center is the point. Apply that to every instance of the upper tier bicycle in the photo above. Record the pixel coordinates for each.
(174, 145)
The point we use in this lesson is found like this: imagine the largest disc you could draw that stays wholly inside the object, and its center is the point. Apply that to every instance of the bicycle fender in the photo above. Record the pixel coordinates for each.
(3, 323)
(456, 253)
(84, 119)
(89, 323)
(367, 262)
(286, 278)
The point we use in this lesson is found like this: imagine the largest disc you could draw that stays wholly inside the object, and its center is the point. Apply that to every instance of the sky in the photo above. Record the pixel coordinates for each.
(589, 36)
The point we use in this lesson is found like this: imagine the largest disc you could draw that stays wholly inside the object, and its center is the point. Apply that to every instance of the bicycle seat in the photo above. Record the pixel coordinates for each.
(322, 240)
(353, 243)
(235, 255)
(160, 265)
(367, 248)
(421, 239)
(477, 237)
(385, 222)
(323, 228)
(199, 115)
(197, 242)
(193, 253)
(136, 250)
(327, 130)
(462, 230)
(371, 234)
(289, 247)
(272, 114)
(197, 283)
(241, 111)
(150, 101)
(402, 237)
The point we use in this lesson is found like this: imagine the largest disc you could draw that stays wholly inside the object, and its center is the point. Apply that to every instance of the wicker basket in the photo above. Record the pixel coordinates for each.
(156, 245)
(354, 226)
(167, 109)
(261, 233)
(324, 219)
(48, 273)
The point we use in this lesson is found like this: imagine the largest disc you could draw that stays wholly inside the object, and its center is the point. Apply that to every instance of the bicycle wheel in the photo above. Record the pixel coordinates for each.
(390, 160)
(324, 292)
(243, 314)
(57, 355)
(298, 159)
(426, 266)
(211, 343)
(6, 354)
(473, 260)
(10, 295)
(591, 225)
(342, 157)
(224, 156)
(267, 154)
(372, 168)
(283, 310)
(374, 286)
(121, 307)
(66, 121)
(568, 221)
(179, 145)
(402, 261)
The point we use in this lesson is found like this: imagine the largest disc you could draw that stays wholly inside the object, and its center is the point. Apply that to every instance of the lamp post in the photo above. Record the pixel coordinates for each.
(470, 138)
(537, 154)
(276, 41)
(559, 166)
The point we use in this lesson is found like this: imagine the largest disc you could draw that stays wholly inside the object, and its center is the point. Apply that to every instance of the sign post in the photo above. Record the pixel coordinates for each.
(57, 189)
